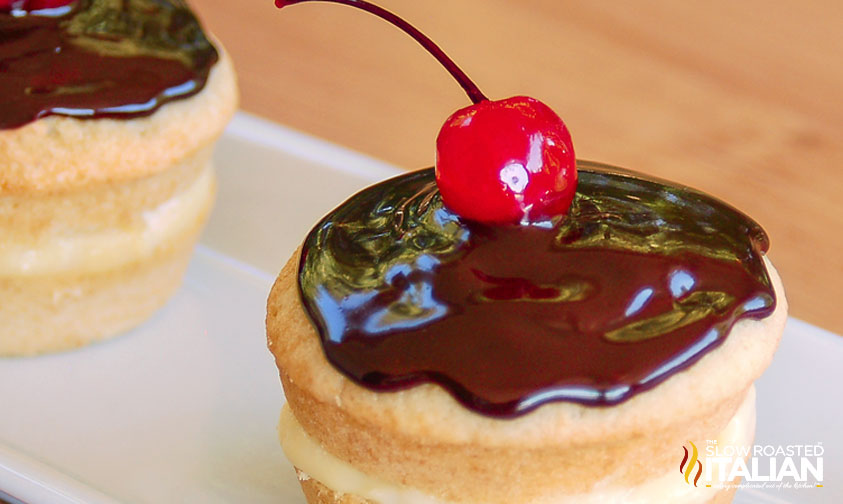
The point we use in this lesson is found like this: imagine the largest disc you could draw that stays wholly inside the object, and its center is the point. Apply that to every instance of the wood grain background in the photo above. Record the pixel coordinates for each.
(742, 99)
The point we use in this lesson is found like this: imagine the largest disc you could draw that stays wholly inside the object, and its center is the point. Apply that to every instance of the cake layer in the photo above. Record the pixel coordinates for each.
(26, 218)
(52, 313)
(420, 411)
(341, 478)
(375, 431)
(58, 249)
(59, 154)
(317, 493)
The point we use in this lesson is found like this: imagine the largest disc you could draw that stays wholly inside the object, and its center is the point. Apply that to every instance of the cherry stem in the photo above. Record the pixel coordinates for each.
(467, 84)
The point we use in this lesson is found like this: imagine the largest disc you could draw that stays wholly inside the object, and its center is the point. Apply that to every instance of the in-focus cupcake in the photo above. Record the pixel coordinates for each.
(518, 328)
(428, 357)
(108, 118)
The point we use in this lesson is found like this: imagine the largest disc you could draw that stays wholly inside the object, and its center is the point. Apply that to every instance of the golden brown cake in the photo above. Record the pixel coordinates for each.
(351, 445)
(98, 216)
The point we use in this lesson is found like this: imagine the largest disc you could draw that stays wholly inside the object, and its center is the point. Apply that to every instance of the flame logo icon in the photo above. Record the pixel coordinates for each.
(687, 466)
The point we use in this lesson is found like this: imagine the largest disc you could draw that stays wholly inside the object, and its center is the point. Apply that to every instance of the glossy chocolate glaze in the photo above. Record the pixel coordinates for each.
(637, 282)
(100, 58)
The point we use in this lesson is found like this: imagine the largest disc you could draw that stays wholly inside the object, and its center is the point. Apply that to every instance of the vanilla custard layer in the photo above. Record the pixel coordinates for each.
(312, 461)
(103, 248)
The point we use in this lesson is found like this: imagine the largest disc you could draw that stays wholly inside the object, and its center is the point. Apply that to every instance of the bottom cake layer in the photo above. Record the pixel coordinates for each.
(56, 314)
(72, 307)
(317, 493)
(325, 479)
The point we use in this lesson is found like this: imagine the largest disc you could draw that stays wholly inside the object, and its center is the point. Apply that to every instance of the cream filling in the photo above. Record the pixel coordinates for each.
(106, 249)
(312, 461)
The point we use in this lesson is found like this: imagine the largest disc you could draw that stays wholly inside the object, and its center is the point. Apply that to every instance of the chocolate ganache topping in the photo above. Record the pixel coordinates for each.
(637, 282)
(100, 58)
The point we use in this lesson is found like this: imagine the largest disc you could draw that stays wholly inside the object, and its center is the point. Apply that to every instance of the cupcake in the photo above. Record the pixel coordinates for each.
(428, 357)
(516, 327)
(109, 116)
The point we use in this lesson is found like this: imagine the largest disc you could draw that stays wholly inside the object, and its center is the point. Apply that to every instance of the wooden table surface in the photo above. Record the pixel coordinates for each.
(743, 99)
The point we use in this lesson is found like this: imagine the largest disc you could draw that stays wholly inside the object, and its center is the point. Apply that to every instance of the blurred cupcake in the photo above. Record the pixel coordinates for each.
(108, 118)
(426, 358)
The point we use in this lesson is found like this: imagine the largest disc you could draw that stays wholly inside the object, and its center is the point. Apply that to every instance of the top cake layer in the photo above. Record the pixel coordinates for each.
(638, 281)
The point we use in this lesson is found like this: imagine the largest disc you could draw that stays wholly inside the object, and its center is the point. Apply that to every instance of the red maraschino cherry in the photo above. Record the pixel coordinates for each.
(32, 5)
(506, 161)
(497, 161)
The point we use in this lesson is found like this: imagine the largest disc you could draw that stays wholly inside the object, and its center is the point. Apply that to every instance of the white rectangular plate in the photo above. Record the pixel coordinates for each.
(184, 408)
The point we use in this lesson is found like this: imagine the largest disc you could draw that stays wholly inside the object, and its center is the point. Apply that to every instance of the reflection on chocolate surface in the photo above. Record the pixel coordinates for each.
(100, 58)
